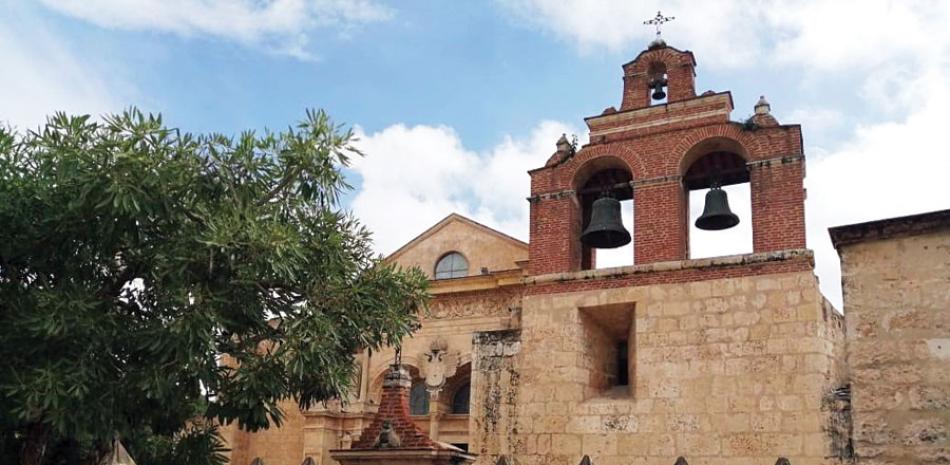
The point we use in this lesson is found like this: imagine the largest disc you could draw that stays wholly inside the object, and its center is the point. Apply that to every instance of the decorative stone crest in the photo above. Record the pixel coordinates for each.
(438, 364)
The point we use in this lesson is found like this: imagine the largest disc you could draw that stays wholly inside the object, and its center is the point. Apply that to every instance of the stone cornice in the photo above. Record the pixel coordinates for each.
(677, 265)
(889, 228)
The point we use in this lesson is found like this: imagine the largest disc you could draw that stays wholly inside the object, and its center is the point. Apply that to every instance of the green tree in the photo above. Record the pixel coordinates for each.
(135, 260)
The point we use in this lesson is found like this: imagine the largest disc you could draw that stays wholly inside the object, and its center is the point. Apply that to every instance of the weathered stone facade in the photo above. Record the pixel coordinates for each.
(896, 280)
(536, 357)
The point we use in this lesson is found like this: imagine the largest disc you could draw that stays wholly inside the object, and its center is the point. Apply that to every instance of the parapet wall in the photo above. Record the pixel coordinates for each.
(896, 282)
(729, 368)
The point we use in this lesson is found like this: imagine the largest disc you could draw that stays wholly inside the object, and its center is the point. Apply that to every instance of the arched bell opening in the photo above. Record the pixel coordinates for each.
(657, 83)
(605, 198)
(719, 202)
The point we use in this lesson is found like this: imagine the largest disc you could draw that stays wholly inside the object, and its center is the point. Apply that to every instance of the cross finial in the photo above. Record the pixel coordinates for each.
(658, 21)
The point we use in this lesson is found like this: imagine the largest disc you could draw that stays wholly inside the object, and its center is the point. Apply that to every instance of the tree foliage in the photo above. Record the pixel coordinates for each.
(149, 278)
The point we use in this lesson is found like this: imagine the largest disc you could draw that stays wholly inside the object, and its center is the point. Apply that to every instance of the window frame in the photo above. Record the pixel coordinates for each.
(452, 272)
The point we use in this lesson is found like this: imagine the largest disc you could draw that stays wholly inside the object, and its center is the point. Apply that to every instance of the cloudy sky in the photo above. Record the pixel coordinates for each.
(455, 101)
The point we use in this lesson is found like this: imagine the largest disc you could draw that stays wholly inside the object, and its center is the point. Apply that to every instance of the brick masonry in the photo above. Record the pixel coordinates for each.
(656, 145)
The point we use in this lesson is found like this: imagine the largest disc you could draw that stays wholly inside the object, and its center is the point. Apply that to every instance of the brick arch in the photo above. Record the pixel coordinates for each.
(626, 155)
(412, 363)
(667, 55)
(699, 149)
(588, 169)
(724, 131)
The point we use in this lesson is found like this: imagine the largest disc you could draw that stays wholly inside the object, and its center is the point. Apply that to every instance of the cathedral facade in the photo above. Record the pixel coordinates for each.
(531, 354)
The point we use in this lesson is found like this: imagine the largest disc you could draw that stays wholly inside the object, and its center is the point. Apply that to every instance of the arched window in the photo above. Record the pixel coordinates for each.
(461, 399)
(451, 265)
(418, 399)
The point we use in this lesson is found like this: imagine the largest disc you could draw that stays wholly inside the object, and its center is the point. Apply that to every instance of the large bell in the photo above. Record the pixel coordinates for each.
(716, 214)
(658, 93)
(605, 230)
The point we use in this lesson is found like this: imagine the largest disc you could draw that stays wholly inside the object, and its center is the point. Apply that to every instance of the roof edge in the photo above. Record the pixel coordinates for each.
(910, 225)
(443, 223)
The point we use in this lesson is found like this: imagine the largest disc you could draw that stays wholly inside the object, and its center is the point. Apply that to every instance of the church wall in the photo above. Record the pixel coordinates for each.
(897, 299)
(495, 389)
(273, 445)
(727, 371)
(481, 250)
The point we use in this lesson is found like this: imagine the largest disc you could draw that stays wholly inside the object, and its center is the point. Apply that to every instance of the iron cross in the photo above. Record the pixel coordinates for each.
(658, 21)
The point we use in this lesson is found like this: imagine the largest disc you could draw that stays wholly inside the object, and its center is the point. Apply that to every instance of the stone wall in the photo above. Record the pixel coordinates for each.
(495, 387)
(481, 246)
(283, 445)
(726, 371)
(897, 299)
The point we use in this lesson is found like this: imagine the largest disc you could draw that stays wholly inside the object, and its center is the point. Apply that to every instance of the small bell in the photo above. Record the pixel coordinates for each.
(605, 230)
(716, 214)
(658, 93)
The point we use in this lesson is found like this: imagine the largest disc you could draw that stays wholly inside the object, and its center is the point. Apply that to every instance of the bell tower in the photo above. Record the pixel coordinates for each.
(664, 141)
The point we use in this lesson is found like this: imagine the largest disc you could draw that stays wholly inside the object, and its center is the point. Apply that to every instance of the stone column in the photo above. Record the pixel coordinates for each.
(434, 414)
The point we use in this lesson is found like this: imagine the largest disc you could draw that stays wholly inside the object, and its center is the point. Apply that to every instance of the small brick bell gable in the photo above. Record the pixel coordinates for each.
(394, 408)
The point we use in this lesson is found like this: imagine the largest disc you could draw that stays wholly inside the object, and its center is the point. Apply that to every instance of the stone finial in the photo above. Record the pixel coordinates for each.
(387, 439)
(257, 461)
(563, 145)
(504, 460)
(564, 151)
(782, 461)
(656, 44)
(398, 376)
(762, 107)
(308, 461)
(680, 461)
(763, 114)
(586, 460)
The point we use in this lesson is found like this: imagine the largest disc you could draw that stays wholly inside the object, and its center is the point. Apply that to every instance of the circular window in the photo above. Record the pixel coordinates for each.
(451, 265)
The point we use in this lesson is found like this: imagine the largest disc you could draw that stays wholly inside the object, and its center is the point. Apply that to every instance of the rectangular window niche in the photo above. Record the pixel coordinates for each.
(609, 350)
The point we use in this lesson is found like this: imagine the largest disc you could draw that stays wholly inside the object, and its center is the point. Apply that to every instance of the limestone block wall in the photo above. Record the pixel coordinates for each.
(273, 445)
(729, 371)
(495, 387)
(897, 299)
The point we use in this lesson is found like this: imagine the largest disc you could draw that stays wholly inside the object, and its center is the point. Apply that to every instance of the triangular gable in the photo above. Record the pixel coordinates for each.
(445, 222)
(485, 249)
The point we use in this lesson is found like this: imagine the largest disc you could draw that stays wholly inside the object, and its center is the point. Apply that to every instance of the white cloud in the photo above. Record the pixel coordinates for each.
(618, 25)
(883, 170)
(896, 54)
(43, 73)
(282, 25)
(415, 176)
(818, 34)
(412, 177)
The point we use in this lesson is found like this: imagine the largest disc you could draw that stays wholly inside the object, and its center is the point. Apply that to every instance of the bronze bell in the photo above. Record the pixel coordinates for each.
(605, 230)
(658, 93)
(716, 214)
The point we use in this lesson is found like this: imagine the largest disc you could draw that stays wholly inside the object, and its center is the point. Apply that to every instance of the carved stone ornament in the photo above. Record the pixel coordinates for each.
(388, 439)
(438, 364)
(475, 304)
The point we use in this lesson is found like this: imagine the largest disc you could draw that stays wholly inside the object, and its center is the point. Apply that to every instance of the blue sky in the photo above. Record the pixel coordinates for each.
(455, 100)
